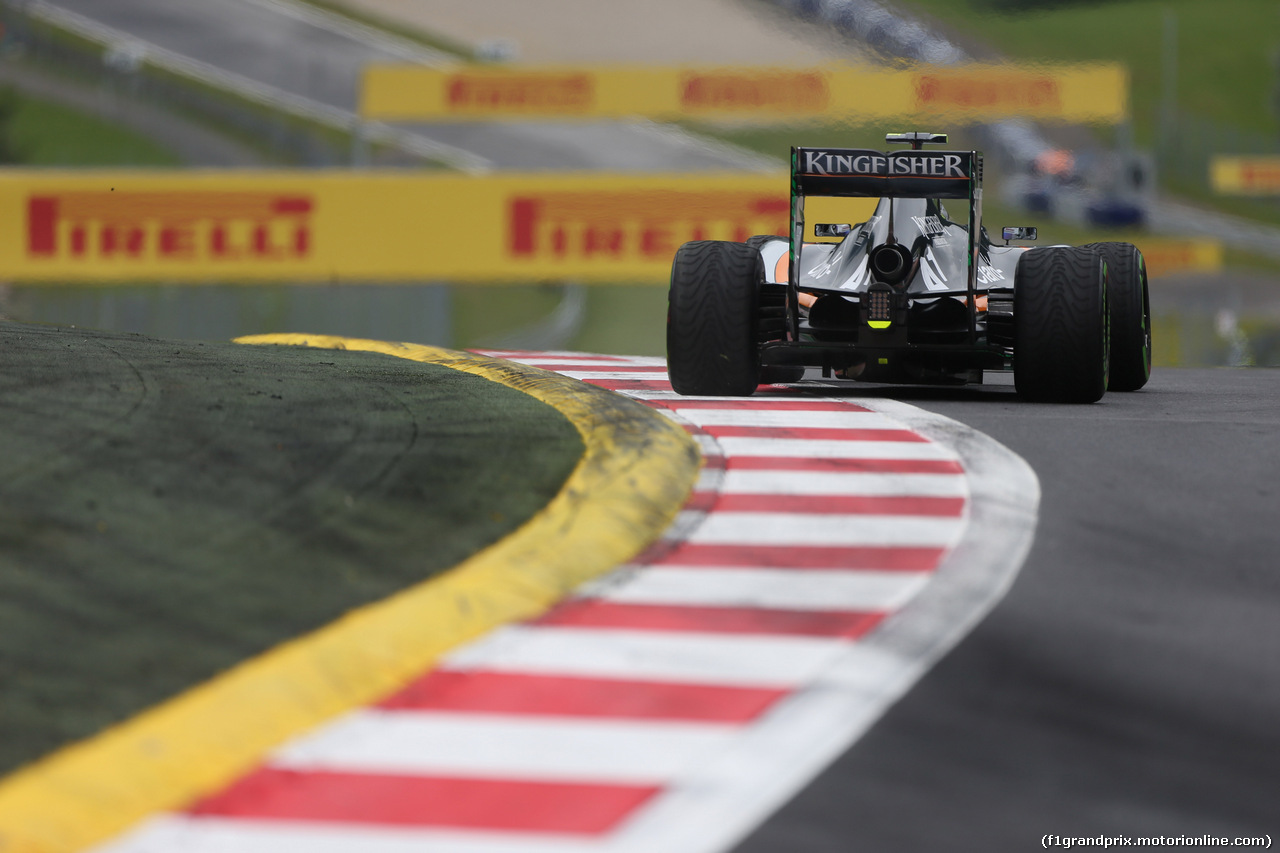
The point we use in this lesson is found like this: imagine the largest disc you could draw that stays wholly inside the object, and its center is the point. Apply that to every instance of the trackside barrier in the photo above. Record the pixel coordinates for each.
(1164, 257)
(353, 226)
(1245, 175)
(1070, 93)
(325, 226)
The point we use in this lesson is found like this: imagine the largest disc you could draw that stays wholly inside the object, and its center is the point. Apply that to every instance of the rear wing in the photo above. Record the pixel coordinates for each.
(864, 173)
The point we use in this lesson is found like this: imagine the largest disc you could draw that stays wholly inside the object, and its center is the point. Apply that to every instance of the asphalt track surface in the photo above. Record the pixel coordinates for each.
(1127, 683)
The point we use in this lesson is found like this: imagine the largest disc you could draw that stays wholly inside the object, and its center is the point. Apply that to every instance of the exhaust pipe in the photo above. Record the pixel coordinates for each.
(890, 262)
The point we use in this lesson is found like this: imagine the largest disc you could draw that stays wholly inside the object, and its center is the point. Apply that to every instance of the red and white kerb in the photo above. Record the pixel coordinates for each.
(651, 710)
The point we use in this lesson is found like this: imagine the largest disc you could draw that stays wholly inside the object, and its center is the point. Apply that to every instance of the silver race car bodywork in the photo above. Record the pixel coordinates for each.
(911, 295)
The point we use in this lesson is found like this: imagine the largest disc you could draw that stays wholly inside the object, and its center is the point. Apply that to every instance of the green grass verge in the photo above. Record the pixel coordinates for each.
(44, 133)
(625, 319)
(168, 510)
(483, 314)
(1227, 68)
(621, 319)
(1225, 49)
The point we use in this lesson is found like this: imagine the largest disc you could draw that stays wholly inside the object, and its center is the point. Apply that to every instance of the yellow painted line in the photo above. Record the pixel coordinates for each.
(634, 475)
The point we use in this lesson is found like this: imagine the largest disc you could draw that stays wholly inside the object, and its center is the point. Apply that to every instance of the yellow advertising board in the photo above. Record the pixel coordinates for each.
(1166, 256)
(1095, 93)
(325, 226)
(195, 226)
(1245, 175)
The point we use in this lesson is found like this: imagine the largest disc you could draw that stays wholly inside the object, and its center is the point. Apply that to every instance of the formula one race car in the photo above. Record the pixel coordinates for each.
(908, 296)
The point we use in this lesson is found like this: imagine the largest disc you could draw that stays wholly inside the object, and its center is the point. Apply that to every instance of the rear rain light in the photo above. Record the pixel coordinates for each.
(879, 306)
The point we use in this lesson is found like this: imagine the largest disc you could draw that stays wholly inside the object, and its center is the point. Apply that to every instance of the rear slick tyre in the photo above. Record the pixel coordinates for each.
(1130, 310)
(1061, 350)
(712, 319)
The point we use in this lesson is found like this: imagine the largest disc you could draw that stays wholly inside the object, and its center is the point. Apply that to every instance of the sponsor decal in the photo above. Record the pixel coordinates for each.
(635, 225)
(169, 226)
(826, 266)
(520, 92)
(930, 226)
(998, 92)
(859, 278)
(871, 165)
(989, 275)
(781, 91)
(931, 272)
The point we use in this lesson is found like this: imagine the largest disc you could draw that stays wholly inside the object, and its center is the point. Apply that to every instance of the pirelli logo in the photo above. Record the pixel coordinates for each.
(634, 226)
(988, 91)
(1163, 257)
(836, 92)
(529, 92)
(800, 92)
(169, 226)
(1261, 176)
(1245, 175)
